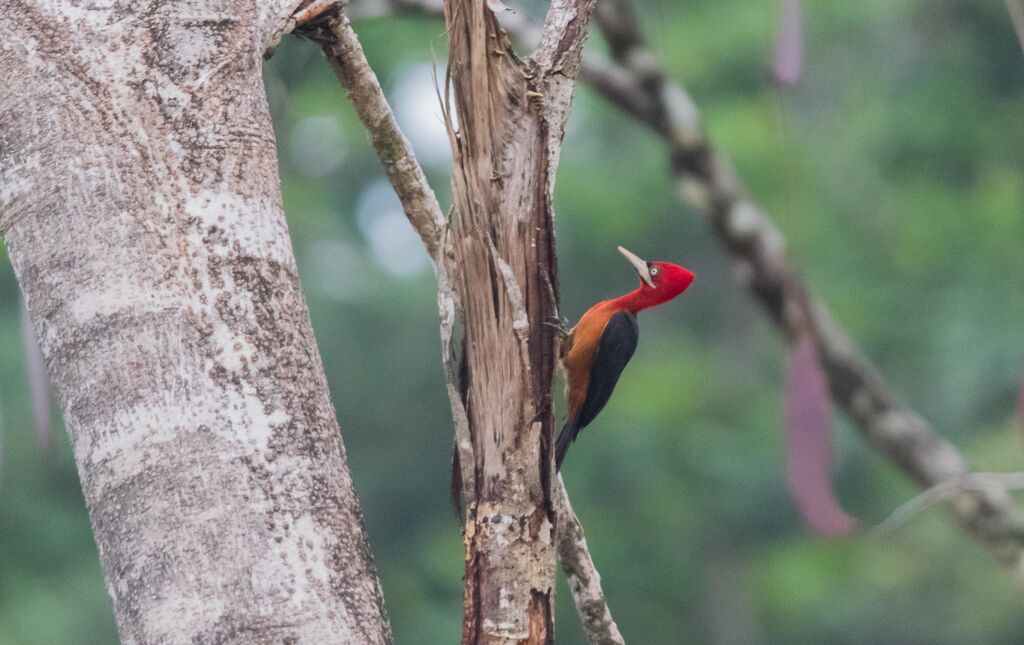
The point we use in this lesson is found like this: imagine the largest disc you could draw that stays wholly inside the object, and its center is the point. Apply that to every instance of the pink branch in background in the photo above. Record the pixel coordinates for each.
(787, 61)
(808, 415)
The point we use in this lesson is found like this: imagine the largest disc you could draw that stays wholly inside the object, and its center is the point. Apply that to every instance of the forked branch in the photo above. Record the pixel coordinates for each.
(331, 29)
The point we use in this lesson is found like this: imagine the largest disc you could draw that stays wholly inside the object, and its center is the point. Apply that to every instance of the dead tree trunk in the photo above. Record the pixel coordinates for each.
(327, 25)
(511, 116)
(140, 203)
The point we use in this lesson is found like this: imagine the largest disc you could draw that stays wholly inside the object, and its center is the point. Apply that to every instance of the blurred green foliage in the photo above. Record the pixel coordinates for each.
(896, 172)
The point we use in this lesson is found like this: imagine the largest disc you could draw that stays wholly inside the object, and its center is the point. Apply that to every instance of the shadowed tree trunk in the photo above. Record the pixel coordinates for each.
(140, 202)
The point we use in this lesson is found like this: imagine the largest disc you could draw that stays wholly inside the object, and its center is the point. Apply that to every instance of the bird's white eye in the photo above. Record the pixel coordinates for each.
(654, 270)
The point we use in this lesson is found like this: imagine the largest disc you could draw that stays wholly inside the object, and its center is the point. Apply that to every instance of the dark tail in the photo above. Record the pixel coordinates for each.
(565, 439)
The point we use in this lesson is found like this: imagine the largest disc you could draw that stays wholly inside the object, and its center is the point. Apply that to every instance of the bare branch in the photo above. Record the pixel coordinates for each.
(584, 580)
(940, 492)
(274, 20)
(565, 31)
(313, 10)
(333, 32)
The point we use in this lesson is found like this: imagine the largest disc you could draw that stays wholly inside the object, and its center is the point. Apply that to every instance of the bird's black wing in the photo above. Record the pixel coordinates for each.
(616, 347)
(618, 342)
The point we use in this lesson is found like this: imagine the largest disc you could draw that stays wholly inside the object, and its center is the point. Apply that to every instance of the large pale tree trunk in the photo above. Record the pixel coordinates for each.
(140, 203)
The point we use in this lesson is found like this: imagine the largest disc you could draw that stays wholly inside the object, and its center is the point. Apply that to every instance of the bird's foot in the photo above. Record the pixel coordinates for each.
(560, 325)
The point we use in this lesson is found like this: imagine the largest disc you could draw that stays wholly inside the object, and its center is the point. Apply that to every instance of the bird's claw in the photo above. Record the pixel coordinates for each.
(560, 325)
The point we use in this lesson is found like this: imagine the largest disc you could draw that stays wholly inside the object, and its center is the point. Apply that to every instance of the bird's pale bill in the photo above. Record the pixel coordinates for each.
(640, 266)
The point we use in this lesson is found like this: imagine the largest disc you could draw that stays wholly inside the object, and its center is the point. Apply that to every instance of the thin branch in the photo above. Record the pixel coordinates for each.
(313, 10)
(941, 492)
(584, 580)
(333, 32)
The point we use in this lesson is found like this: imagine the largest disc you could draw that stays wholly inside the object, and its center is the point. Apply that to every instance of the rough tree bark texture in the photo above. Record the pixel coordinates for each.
(511, 116)
(139, 199)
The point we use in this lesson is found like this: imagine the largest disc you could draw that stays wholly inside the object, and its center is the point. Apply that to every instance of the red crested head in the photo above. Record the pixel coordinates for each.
(659, 283)
(670, 279)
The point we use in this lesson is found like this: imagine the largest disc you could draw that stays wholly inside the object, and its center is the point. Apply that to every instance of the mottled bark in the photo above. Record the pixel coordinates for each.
(140, 201)
(511, 117)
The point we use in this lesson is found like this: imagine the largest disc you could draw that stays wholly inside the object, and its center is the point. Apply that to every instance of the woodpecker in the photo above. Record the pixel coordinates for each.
(598, 347)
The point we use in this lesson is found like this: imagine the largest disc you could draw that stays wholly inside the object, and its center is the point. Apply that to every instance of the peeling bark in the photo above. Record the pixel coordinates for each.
(511, 119)
(140, 202)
